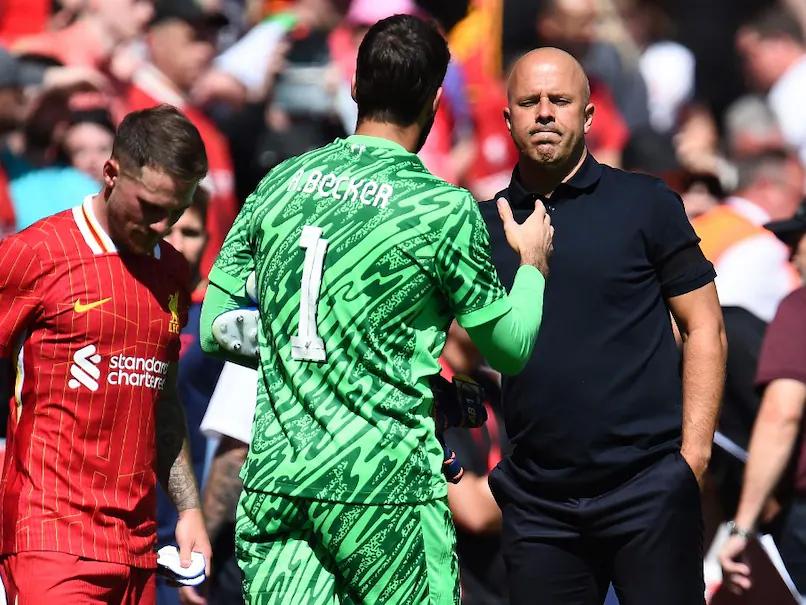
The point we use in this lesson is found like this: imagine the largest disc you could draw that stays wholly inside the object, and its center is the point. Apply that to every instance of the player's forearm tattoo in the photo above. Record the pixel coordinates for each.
(174, 468)
(223, 485)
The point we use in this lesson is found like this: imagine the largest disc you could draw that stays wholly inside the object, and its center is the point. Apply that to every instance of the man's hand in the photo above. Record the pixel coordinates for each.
(735, 573)
(191, 535)
(532, 239)
(698, 463)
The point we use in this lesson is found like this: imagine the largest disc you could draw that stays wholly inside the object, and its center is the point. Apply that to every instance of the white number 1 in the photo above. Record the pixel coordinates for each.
(306, 345)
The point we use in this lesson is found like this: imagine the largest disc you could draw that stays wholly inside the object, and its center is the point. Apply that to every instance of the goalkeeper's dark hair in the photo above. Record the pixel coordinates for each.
(162, 138)
(401, 63)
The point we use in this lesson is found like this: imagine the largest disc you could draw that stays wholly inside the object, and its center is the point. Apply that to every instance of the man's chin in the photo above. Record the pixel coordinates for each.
(544, 154)
(139, 248)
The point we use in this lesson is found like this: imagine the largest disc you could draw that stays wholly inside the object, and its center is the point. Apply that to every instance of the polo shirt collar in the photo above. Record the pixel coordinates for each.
(587, 176)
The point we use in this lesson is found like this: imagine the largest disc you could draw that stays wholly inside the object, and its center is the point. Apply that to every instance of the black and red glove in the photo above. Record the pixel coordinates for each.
(459, 403)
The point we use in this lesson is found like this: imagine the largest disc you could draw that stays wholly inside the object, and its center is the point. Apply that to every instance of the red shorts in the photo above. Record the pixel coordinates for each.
(38, 577)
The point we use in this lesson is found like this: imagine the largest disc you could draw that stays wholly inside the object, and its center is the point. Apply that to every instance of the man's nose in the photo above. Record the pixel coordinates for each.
(161, 226)
(545, 110)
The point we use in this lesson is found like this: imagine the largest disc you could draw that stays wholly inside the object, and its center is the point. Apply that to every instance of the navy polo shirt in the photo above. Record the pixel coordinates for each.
(601, 397)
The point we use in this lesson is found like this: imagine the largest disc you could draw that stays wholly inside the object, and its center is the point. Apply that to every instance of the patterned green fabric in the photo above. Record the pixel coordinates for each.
(344, 408)
(295, 550)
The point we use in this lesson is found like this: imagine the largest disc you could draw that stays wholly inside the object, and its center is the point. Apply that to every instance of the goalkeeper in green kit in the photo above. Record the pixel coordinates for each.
(362, 258)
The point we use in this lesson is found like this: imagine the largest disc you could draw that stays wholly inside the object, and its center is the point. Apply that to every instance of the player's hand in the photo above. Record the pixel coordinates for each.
(735, 573)
(189, 595)
(451, 467)
(533, 238)
(191, 535)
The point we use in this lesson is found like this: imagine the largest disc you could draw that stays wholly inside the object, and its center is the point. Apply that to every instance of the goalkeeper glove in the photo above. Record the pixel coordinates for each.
(459, 403)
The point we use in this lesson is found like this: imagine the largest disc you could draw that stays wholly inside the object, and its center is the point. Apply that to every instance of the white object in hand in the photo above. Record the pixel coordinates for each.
(168, 560)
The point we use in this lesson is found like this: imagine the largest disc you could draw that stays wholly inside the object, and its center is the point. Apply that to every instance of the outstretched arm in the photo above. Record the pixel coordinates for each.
(507, 341)
(775, 434)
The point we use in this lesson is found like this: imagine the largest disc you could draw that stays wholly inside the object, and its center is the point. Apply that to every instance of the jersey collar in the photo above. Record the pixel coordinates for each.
(94, 235)
(586, 177)
(377, 142)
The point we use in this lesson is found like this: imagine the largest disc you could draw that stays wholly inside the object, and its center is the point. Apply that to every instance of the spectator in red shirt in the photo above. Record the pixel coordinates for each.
(22, 18)
(180, 49)
(778, 428)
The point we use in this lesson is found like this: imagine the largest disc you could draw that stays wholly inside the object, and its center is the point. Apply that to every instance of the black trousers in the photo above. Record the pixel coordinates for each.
(644, 536)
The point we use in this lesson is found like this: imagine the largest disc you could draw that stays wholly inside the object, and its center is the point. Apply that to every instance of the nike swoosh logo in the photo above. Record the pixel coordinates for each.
(79, 308)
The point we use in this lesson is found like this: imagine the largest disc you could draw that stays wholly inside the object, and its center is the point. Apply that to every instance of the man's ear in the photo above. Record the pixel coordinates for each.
(111, 172)
(507, 119)
(352, 88)
(437, 99)
(589, 111)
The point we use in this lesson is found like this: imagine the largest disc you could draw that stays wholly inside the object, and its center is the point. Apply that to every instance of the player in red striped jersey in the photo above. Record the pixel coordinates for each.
(91, 306)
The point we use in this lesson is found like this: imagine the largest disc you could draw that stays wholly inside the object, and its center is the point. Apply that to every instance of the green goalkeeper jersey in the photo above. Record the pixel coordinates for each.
(362, 259)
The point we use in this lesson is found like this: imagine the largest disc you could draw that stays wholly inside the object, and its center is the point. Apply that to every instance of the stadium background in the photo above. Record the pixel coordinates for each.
(267, 79)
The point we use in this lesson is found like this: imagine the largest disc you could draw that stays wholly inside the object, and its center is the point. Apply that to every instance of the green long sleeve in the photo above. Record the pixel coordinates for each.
(507, 342)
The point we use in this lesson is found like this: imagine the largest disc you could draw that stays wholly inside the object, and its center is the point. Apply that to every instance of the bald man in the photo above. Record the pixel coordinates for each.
(611, 433)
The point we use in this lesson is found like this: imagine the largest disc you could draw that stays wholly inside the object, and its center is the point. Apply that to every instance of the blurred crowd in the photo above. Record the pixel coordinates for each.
(705, 95)
(691, 92)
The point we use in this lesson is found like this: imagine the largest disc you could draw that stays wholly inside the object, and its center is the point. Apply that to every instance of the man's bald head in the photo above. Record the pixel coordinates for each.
(548, 111)
(549, 58)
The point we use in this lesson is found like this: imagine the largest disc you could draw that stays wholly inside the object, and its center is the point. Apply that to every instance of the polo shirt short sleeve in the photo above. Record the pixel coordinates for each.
(673, 245)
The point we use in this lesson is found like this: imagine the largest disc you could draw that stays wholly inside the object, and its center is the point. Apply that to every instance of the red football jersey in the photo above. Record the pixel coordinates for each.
(90, 332)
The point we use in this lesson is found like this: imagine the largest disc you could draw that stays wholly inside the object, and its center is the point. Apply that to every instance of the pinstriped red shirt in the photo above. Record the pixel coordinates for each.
(90, 333)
